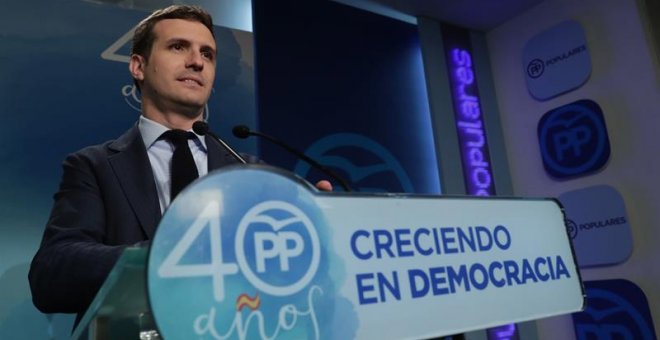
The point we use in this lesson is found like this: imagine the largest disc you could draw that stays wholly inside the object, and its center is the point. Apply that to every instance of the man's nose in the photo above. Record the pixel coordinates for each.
(195, 61)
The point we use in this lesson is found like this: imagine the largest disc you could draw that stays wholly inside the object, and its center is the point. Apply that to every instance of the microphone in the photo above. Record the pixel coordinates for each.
(202, 128)
(242, 131)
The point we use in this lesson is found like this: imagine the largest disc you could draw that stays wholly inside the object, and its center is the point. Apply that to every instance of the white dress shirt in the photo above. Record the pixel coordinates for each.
(160, 156)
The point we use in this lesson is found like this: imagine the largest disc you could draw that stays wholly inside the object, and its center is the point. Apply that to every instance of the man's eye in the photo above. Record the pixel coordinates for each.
(208, 55)
(177, 47)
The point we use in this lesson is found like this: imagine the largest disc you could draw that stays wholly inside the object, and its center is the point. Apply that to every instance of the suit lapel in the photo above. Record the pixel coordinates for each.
(133, 170)
(217, 156)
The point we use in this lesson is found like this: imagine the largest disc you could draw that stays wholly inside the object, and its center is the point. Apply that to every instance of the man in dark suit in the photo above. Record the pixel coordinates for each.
(112, 195)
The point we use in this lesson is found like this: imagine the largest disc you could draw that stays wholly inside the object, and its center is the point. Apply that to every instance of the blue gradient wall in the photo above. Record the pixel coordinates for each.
(57, 95)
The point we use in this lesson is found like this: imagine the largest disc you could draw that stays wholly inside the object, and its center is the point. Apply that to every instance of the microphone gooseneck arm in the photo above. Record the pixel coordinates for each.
(242, 131)
(202, 128)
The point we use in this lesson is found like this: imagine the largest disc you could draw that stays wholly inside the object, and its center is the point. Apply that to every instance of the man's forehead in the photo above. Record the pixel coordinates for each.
(168, 29)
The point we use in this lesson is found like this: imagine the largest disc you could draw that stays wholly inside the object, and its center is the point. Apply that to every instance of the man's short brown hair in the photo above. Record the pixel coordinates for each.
(143, 37)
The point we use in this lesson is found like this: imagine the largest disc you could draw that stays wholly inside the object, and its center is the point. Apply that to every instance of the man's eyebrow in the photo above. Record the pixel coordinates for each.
(205, 47)
(208, 48)
(177, 40)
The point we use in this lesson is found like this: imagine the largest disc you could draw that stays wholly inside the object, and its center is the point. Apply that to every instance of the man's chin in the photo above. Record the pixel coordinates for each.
(191, 109)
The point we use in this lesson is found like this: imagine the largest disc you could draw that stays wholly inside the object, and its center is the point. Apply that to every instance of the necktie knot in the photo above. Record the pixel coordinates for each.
(184, 169)
(178, 137)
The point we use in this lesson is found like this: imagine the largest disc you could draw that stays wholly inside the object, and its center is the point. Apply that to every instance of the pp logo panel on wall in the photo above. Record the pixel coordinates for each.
(366, 163)
(556, 60)
(598, 225)
(616, 309)
(573, 139)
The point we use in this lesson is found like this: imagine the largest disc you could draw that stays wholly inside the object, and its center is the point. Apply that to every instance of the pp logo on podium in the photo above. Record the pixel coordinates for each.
(242, 261)
(277, 248)
(573, 139)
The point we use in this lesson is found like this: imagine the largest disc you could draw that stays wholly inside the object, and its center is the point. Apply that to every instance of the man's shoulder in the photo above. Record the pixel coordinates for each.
(92, 151)
(100, 152)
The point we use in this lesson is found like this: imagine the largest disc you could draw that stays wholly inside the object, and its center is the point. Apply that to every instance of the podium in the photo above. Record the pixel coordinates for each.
(256, 252)
(120, 309)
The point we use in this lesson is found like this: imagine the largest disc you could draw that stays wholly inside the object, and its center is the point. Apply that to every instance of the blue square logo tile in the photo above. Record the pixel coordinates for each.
(573, 139)
(598, 225)
(557, 60)
(616, 309)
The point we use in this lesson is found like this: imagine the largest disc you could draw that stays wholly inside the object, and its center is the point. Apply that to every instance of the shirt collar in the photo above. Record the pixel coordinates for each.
(151, 131)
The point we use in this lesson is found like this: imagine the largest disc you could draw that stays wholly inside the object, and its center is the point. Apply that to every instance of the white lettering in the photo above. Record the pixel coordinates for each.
(288, 317)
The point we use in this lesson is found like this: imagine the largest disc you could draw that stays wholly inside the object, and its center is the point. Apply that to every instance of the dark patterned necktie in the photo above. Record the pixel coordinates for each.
(184, 169)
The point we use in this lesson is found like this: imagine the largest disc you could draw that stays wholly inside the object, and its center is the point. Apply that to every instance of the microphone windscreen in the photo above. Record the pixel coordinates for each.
(241, 131)
(201, 128)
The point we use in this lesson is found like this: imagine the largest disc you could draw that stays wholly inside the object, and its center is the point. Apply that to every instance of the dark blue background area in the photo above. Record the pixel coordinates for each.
(57, 94)
(325, 68)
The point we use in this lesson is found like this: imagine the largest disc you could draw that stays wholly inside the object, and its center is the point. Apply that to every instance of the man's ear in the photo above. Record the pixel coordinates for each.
(136, 66)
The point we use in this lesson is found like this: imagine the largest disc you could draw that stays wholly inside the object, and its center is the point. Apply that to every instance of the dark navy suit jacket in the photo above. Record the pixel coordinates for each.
(107, 200)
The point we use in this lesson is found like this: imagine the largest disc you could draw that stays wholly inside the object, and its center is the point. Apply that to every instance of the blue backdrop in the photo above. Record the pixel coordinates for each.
(57, 95)
(346, 86)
